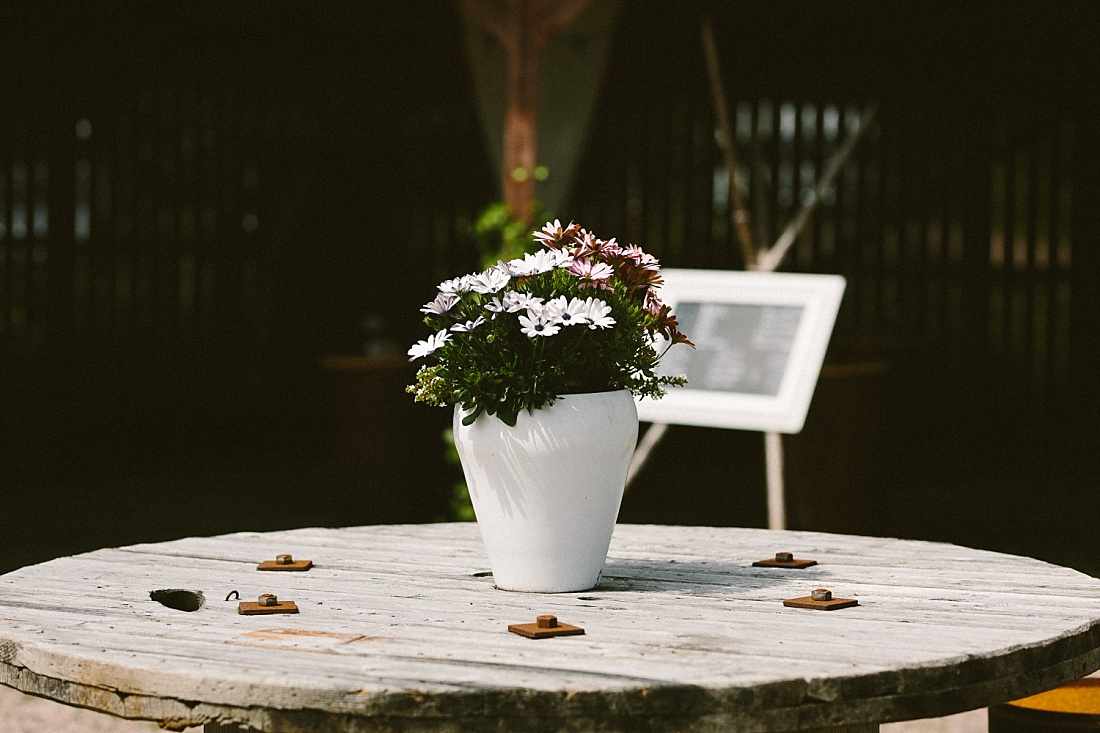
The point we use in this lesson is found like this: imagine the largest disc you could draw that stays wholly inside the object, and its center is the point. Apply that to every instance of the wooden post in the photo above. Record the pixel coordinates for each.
(523, 28)
(520, 122)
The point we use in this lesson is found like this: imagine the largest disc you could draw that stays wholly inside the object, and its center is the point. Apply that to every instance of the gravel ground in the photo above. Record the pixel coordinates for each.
(26, 714)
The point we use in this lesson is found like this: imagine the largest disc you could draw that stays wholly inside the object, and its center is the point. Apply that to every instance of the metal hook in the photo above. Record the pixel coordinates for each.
(233, 593)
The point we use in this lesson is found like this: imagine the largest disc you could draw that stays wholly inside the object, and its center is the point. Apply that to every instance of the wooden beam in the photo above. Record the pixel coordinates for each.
(523, 28)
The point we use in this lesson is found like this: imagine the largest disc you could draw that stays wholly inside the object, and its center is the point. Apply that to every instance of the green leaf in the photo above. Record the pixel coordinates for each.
(508, 417)
(469, 419)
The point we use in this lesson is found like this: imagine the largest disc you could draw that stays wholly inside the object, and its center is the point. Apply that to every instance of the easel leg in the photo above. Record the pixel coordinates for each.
(773, 466)
(646, 444)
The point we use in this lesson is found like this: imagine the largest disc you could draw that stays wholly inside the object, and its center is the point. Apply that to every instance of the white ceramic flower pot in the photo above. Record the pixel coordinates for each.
(547, 492)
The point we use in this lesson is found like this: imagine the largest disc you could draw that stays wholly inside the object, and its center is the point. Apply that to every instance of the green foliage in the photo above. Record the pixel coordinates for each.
(499, 236)
(462, 509)
(580, 316)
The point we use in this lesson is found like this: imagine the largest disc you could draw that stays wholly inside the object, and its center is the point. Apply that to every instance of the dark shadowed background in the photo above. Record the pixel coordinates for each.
(217, 223)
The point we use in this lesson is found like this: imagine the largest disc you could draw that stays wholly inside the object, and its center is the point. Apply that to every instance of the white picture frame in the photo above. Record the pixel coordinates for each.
(760, 341)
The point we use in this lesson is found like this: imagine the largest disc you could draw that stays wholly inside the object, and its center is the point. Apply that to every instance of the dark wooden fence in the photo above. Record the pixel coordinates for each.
(199, 204)
(960, 381)
(953, 221)
(168, 173)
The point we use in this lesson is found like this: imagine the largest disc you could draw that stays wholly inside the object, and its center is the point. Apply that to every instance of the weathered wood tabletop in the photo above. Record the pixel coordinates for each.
(400, 629)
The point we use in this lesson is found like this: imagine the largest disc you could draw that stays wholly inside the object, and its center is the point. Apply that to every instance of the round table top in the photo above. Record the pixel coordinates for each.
(402, 624)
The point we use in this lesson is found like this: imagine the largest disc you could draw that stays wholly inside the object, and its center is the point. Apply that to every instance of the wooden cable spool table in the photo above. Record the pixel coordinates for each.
(399, 628)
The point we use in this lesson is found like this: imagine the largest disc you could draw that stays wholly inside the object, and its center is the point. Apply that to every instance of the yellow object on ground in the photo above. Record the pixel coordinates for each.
(1082, 696)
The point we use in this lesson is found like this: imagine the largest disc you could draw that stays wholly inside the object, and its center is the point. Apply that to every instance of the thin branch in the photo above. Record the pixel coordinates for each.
(739, 215)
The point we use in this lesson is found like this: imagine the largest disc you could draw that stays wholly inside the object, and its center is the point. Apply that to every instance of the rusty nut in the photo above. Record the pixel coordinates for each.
(547, 622)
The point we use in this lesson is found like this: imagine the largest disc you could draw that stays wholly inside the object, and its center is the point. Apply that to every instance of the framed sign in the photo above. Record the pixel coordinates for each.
(760, 339)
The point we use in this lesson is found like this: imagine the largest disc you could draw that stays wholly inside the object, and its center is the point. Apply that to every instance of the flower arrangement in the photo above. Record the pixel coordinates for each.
(579, 315)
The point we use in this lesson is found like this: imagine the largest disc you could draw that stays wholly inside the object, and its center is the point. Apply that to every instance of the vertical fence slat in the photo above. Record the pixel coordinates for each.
(105, 217)
(976, 169)
(125, 231)
(774, 151)
(818, 169)
(1007, 250)
(946, 187)
(1084, 228)
(1055, 316)
(24, 193)
(52, 222)
(8, 117)
(802, 181)
(860, 245)
(1034, 336)
(923, 297)
(89, 259)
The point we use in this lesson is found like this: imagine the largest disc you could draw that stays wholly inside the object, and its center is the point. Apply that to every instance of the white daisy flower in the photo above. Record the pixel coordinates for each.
(566, 312)
(539, 262)
(597, 314)
(508, 268)
(490, 281)
(515, 302)
(468, 325)
(442, 303)
(455, 285)
(562, 257)
(433, 342)
(537, 324)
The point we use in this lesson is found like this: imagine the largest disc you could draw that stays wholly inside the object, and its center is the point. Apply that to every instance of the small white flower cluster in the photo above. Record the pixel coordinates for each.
(538, 317)
(513, 302)
(547, 319)
(539, 262)
(494, 279)
(582, 314)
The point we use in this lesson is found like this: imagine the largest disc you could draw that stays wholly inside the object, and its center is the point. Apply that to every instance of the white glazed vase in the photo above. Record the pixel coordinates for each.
(547, 491)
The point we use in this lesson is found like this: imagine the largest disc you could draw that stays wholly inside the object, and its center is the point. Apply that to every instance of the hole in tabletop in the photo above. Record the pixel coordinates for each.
(179, 598)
